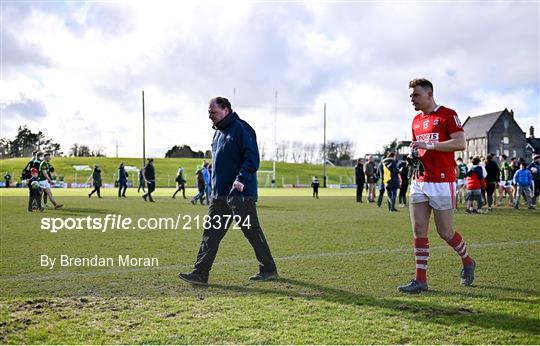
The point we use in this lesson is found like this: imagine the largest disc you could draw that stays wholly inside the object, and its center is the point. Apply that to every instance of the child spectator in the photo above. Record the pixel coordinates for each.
(475, 184)
(524, 181)
(35, 191)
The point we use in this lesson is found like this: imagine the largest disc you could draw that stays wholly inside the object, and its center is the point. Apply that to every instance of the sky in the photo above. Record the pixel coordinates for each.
(75, 69)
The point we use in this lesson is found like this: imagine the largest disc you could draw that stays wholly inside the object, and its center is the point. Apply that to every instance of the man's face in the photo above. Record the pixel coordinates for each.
(216, 113)
(47, 158)
(420, 97)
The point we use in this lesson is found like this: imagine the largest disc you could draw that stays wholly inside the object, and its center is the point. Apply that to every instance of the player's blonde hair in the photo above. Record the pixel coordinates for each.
(424, 83)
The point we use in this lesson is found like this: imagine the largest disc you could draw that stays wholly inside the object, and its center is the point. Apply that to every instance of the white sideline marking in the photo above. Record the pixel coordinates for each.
(33, 276)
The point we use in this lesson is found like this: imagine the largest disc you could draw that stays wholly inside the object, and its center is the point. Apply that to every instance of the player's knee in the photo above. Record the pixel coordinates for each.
(420, 230)
(446, 234)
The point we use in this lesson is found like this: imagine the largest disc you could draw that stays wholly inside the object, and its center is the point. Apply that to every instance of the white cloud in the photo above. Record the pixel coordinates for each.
(93, 59)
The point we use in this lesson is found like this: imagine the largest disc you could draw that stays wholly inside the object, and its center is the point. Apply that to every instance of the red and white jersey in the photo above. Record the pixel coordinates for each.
(436, 126)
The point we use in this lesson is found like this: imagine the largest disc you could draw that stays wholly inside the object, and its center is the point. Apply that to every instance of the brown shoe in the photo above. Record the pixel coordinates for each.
(58, 206)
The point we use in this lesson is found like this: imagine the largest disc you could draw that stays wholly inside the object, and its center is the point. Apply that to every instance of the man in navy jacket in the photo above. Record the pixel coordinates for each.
(235, 161)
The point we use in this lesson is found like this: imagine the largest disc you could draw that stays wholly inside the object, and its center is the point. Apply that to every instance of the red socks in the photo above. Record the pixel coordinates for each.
(459, 245)
(421, 254)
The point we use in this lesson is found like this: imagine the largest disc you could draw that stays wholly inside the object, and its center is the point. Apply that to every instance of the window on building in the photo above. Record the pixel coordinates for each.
(506, 152)
(506, 140)
(515, 153)
(498, 153)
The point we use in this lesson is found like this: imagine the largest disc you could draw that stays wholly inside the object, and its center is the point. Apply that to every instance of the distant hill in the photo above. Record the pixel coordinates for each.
(288, 173)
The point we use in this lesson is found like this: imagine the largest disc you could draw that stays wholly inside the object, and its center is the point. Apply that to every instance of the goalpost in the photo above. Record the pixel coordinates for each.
(264, 178)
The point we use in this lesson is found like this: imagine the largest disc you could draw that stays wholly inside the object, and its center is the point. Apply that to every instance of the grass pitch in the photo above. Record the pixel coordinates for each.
(339, 262)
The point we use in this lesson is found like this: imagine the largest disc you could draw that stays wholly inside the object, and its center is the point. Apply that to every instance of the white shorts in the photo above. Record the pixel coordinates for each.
(505, 183)
(460, 182)
(44, 184)
(440, 196)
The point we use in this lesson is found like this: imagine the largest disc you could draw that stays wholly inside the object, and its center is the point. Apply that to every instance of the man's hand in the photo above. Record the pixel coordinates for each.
(418, 145)
(238, 186)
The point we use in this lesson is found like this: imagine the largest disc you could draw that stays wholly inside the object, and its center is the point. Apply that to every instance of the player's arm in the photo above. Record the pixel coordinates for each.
(46, 175)
(455, 143)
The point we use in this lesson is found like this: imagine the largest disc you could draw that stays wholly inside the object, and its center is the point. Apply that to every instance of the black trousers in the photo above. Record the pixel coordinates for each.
(122, 186)
(151, 185)
(181, 187)
(536, 190)
(359, 192)
(403, 192)
(490, 190)
(381, 195)
(316, 192)
(219, 211)
(32, 199)
(97, 189)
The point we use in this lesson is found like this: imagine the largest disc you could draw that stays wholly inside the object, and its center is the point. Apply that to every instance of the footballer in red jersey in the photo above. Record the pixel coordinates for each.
(436, 135)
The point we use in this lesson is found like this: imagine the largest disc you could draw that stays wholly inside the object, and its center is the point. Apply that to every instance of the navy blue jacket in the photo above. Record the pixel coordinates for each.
(391, 165)
(122, 174)
(536, 176)
(235, 156)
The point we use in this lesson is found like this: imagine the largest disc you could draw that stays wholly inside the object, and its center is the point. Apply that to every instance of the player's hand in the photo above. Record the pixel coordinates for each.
(418, 145)
(238, 186)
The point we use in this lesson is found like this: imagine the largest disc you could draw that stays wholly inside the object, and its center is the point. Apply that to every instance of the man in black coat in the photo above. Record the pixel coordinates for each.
(360, 179)
(403, 168)
(150, 178)
(235, 161)
(96, 180)
(122, 180)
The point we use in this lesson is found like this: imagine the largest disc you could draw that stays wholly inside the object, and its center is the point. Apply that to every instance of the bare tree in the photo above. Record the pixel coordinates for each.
(283, 151)
(296, 151)
(309, 152)
(74, 150)
(84, 151)
(98, 151)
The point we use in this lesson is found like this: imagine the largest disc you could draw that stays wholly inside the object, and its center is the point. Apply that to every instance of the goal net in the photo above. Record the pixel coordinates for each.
(264, 178)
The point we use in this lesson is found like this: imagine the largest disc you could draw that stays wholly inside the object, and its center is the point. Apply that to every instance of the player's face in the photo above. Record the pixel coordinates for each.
(420, 98)
(216, 113)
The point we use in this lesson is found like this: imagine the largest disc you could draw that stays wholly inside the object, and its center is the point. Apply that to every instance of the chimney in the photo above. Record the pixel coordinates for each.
(531, 132)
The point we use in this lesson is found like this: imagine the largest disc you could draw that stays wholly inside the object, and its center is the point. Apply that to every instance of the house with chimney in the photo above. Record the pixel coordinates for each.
(496, 133)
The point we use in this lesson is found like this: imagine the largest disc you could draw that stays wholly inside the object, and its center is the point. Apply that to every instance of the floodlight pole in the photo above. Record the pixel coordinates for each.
(275, 144)
(143, 133)
(324, 147)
